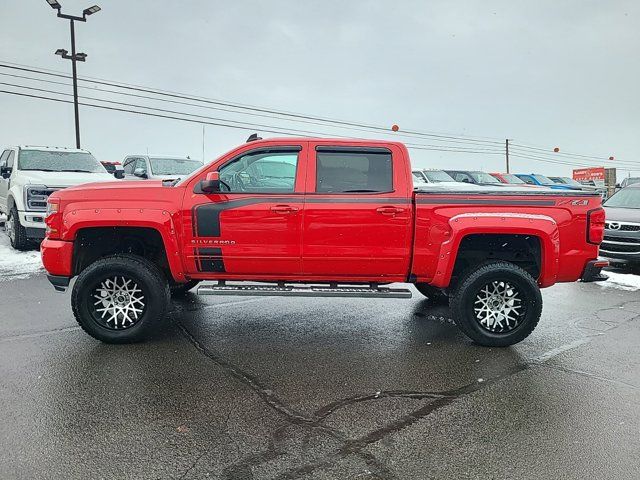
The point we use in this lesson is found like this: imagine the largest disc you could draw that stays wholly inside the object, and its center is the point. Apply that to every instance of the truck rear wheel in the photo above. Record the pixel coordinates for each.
(435, 295)
(496, 304)
(120, 298)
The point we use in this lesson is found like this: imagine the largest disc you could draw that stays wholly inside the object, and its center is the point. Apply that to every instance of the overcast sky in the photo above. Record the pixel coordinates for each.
(542, 72)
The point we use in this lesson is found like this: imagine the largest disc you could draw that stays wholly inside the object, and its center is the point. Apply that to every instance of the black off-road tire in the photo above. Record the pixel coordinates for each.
(435, 295)
(148, 277)
(19, 240)
(471, 283)
(181, 289)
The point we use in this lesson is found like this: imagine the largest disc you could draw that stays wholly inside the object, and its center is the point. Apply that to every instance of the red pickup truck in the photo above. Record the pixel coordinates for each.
(316, 217)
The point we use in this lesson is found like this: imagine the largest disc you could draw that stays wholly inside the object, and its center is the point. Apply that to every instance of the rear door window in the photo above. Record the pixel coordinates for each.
(353, 171)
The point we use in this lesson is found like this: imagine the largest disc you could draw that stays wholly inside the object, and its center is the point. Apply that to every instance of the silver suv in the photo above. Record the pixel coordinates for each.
(143, 167)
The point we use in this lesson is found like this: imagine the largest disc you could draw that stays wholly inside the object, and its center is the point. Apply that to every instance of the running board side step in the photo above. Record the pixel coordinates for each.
(284, 290)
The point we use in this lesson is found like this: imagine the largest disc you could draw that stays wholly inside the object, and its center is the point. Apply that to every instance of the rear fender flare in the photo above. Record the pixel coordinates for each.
(541, 226)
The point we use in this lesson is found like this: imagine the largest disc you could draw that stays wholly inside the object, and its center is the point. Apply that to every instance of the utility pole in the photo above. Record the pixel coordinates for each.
(506, 151)
(74, 57)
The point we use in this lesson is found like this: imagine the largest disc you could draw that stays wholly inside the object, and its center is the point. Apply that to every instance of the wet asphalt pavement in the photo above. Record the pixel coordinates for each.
(277, 388)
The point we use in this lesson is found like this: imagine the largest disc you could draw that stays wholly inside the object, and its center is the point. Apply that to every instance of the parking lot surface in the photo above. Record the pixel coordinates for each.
(277, 388)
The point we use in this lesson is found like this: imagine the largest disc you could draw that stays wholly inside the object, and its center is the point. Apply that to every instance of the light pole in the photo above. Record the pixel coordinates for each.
(74, 57)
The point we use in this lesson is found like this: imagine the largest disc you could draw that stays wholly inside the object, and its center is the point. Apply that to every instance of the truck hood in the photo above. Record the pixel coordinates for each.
(63, 179)
(615, 214)
(118, 184)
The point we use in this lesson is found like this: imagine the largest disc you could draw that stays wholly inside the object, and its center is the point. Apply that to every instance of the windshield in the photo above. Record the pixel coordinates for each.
(631, 180)
(438, 176)
(482, 177)
(53, 161)
(511, 178)
(173, 166)
(418, 176)
(625, 198)
(571, 181)
(543, 180)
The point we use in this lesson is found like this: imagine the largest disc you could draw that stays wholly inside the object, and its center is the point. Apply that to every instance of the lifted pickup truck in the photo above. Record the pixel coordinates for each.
(316, 217)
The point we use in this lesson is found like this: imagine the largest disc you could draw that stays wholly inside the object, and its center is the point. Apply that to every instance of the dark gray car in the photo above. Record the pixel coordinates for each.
(621, 243)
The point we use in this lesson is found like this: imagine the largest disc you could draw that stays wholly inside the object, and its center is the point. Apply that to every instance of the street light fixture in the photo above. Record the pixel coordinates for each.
(74, 57)
(90, 10)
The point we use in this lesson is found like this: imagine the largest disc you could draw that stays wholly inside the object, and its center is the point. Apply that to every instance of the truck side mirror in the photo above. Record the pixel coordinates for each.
(5, 172)
(211, 184)
(139, 172)
(118, 173)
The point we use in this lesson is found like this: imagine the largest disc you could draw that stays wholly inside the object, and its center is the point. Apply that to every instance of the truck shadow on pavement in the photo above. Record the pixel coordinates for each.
(323, 435)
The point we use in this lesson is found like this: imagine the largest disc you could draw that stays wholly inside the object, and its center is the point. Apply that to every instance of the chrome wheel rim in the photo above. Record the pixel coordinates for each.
(118, 303)
(10, 228)
(498, 307)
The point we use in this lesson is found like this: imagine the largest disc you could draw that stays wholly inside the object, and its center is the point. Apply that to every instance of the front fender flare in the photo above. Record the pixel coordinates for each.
(76, 219)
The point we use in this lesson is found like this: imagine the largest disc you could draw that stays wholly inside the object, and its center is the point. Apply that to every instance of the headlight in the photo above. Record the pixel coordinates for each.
(36, 197)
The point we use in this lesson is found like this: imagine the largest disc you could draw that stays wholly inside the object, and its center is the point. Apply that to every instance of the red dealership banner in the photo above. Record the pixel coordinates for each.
(593, 173)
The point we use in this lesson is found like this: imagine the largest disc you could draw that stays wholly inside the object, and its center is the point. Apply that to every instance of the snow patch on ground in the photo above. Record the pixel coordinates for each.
(14, 264)
(621, 281)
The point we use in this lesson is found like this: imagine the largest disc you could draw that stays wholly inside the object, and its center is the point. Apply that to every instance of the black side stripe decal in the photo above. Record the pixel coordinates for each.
(209, 260)
(206, 216)
(488, 202)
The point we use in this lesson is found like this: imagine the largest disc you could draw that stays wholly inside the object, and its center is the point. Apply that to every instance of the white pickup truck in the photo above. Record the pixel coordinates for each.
(28, 175)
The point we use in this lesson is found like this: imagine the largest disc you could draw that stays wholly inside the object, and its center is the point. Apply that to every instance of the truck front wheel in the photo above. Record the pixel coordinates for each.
(496, 304)
(16, 232)
(120, 298)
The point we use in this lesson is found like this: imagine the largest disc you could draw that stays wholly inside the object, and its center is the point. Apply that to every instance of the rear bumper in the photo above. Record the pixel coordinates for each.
(57, 257)
(592, 271)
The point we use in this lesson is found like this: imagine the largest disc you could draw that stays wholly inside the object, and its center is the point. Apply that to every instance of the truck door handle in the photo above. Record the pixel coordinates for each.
(284, 209)
(389, 210)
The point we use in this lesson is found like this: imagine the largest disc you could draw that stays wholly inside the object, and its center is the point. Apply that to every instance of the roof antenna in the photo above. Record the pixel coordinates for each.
(253, 137)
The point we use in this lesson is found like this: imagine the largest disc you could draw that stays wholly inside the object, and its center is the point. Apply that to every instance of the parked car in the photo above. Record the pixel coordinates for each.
(110, 166)
(621, 242)
(582, 186)
(474, 177)
(146, 167)
(346, 223)
(28, 175)
(511, 179)
(541, 180)
(629, 181)
(427, 177)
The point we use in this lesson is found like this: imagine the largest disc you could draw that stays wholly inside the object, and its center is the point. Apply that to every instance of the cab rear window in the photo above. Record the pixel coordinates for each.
(354, 171)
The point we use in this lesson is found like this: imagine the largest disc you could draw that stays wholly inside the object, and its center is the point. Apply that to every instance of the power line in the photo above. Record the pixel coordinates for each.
(571, 164)
(545, 150)
(599, 160)
(247, 125)
(270, 129)
(252, 109)
(448, 143)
